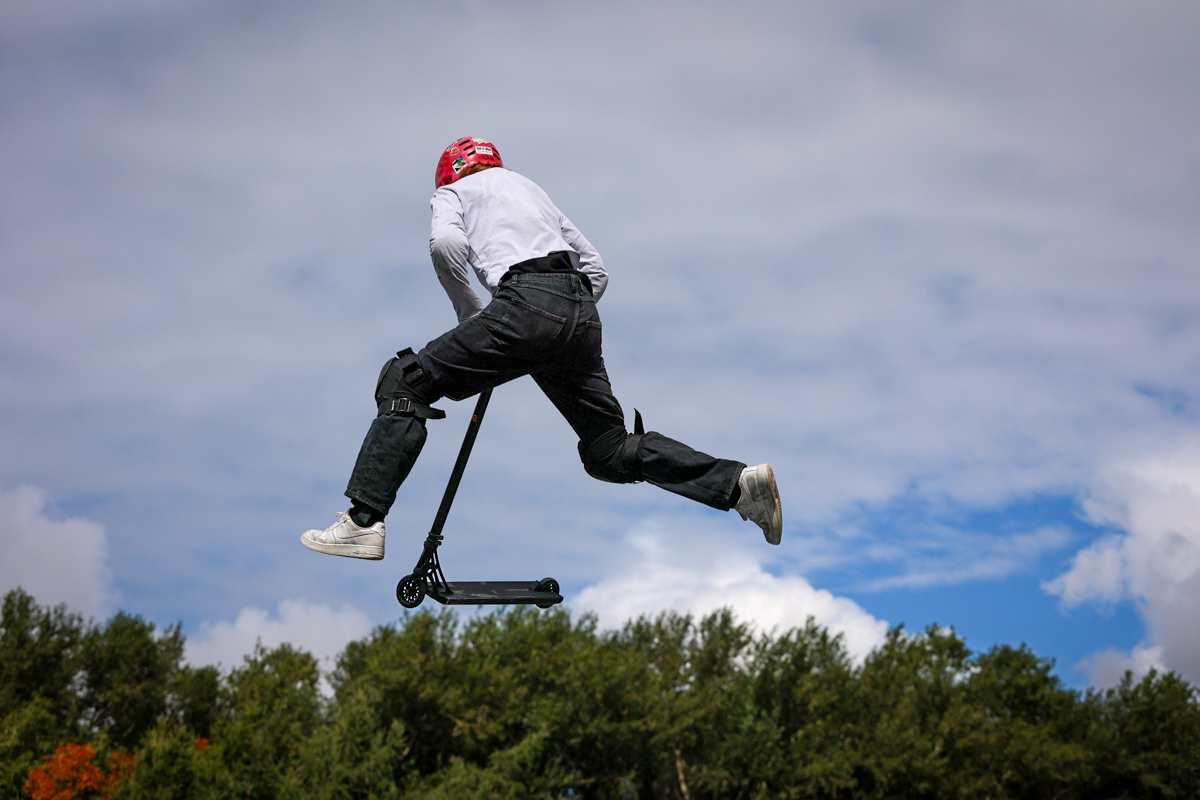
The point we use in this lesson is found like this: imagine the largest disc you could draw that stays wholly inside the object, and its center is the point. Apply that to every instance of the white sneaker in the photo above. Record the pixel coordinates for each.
(760, 501)
(344, 538)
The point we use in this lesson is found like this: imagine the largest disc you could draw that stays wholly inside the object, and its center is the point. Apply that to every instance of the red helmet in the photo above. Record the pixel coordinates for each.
(466, 152)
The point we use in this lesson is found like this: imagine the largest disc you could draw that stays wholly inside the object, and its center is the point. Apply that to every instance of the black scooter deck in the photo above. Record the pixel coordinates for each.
(485, 593)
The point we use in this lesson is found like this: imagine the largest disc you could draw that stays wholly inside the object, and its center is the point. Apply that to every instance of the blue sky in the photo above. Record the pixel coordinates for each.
(937, 263)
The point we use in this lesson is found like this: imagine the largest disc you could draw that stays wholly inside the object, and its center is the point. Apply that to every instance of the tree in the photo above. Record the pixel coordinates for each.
(1020, 729)
(1145, 738)
(273, 706)
(173, 765)
(524, 703)
(38, 662)
(803, 683)
(71, 773)
(38, 656)
(127, 676)
(195, 700)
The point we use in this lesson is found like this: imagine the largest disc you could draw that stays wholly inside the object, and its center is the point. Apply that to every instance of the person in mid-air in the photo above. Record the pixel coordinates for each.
(545, 279)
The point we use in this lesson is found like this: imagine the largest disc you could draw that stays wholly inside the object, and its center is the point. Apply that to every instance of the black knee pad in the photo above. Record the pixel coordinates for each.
(614, 456)
(404, 388)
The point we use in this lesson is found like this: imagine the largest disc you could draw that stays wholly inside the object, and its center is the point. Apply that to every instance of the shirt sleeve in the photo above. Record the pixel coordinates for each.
(450, 251)
(590, 263)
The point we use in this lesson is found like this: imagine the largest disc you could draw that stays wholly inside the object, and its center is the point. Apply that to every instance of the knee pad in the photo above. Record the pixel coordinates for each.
(404, 388)
(614, 457)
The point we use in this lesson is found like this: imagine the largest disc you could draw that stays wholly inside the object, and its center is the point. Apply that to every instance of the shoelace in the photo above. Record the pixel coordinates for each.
(342, 518)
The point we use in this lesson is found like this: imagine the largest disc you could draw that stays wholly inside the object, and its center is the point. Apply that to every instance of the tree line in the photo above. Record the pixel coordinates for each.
(539, 704)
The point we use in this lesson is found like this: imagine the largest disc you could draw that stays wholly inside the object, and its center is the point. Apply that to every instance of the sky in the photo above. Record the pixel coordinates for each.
(937, 263)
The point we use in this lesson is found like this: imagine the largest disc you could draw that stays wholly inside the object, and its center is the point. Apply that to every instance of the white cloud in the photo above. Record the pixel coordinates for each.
(945, 556)
(1106, 668)
(56, 561)
(313, 627)
(691, 570)
(1155, 560)
(1097, 574)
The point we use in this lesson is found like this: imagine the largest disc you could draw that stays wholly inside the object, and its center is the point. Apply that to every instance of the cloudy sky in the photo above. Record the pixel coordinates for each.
(938, 263)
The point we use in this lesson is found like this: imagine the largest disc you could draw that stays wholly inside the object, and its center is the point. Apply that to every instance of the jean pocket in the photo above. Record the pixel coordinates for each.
(522, 328)
(592, 334)
(550, 315)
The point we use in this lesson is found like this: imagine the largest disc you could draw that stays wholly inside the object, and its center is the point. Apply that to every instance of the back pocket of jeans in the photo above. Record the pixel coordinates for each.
(539, 311)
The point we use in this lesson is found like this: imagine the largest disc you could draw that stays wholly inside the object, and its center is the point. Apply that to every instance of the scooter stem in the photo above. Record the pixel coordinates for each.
(435, 533)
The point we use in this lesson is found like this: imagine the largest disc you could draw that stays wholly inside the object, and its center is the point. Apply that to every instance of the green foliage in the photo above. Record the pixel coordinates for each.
(1146, 738)
(128, 673)
(39, 650)
(535, 704)
(170, 766)
(274, 705)
(38, 662)
(26, 734)
(195, 700)
(352, 756)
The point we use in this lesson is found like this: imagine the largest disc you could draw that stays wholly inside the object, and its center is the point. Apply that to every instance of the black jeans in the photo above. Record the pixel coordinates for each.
(544, 325)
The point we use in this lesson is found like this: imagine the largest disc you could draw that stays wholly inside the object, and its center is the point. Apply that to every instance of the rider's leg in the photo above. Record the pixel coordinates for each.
(576, 382)
(503, 342)
(610, 453)
(524, 326)
(403, 395)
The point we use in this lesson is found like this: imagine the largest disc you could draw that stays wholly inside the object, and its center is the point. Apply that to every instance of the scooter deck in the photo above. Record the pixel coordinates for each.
(489, 593)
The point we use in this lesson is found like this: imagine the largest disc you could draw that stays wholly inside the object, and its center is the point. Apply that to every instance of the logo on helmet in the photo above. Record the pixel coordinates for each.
(464, 156)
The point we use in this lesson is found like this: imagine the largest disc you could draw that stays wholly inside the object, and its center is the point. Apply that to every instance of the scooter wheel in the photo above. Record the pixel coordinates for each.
(410, 591)
(546, 585)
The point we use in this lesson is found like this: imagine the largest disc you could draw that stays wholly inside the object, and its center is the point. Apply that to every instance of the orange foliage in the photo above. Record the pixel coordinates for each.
(202, 743)
(71, 774)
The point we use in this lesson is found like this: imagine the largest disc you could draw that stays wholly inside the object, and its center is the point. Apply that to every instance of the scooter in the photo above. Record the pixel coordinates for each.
(427, 577)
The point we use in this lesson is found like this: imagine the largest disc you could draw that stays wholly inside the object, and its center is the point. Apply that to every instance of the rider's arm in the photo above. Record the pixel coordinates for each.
(589, 260)
(450, 251)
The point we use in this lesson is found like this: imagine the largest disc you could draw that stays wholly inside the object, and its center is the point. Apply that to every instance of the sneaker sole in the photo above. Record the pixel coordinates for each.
(363, 551)
(775, 534)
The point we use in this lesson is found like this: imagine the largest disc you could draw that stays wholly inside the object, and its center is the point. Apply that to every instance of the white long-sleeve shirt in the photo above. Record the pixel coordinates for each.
(492, 220)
